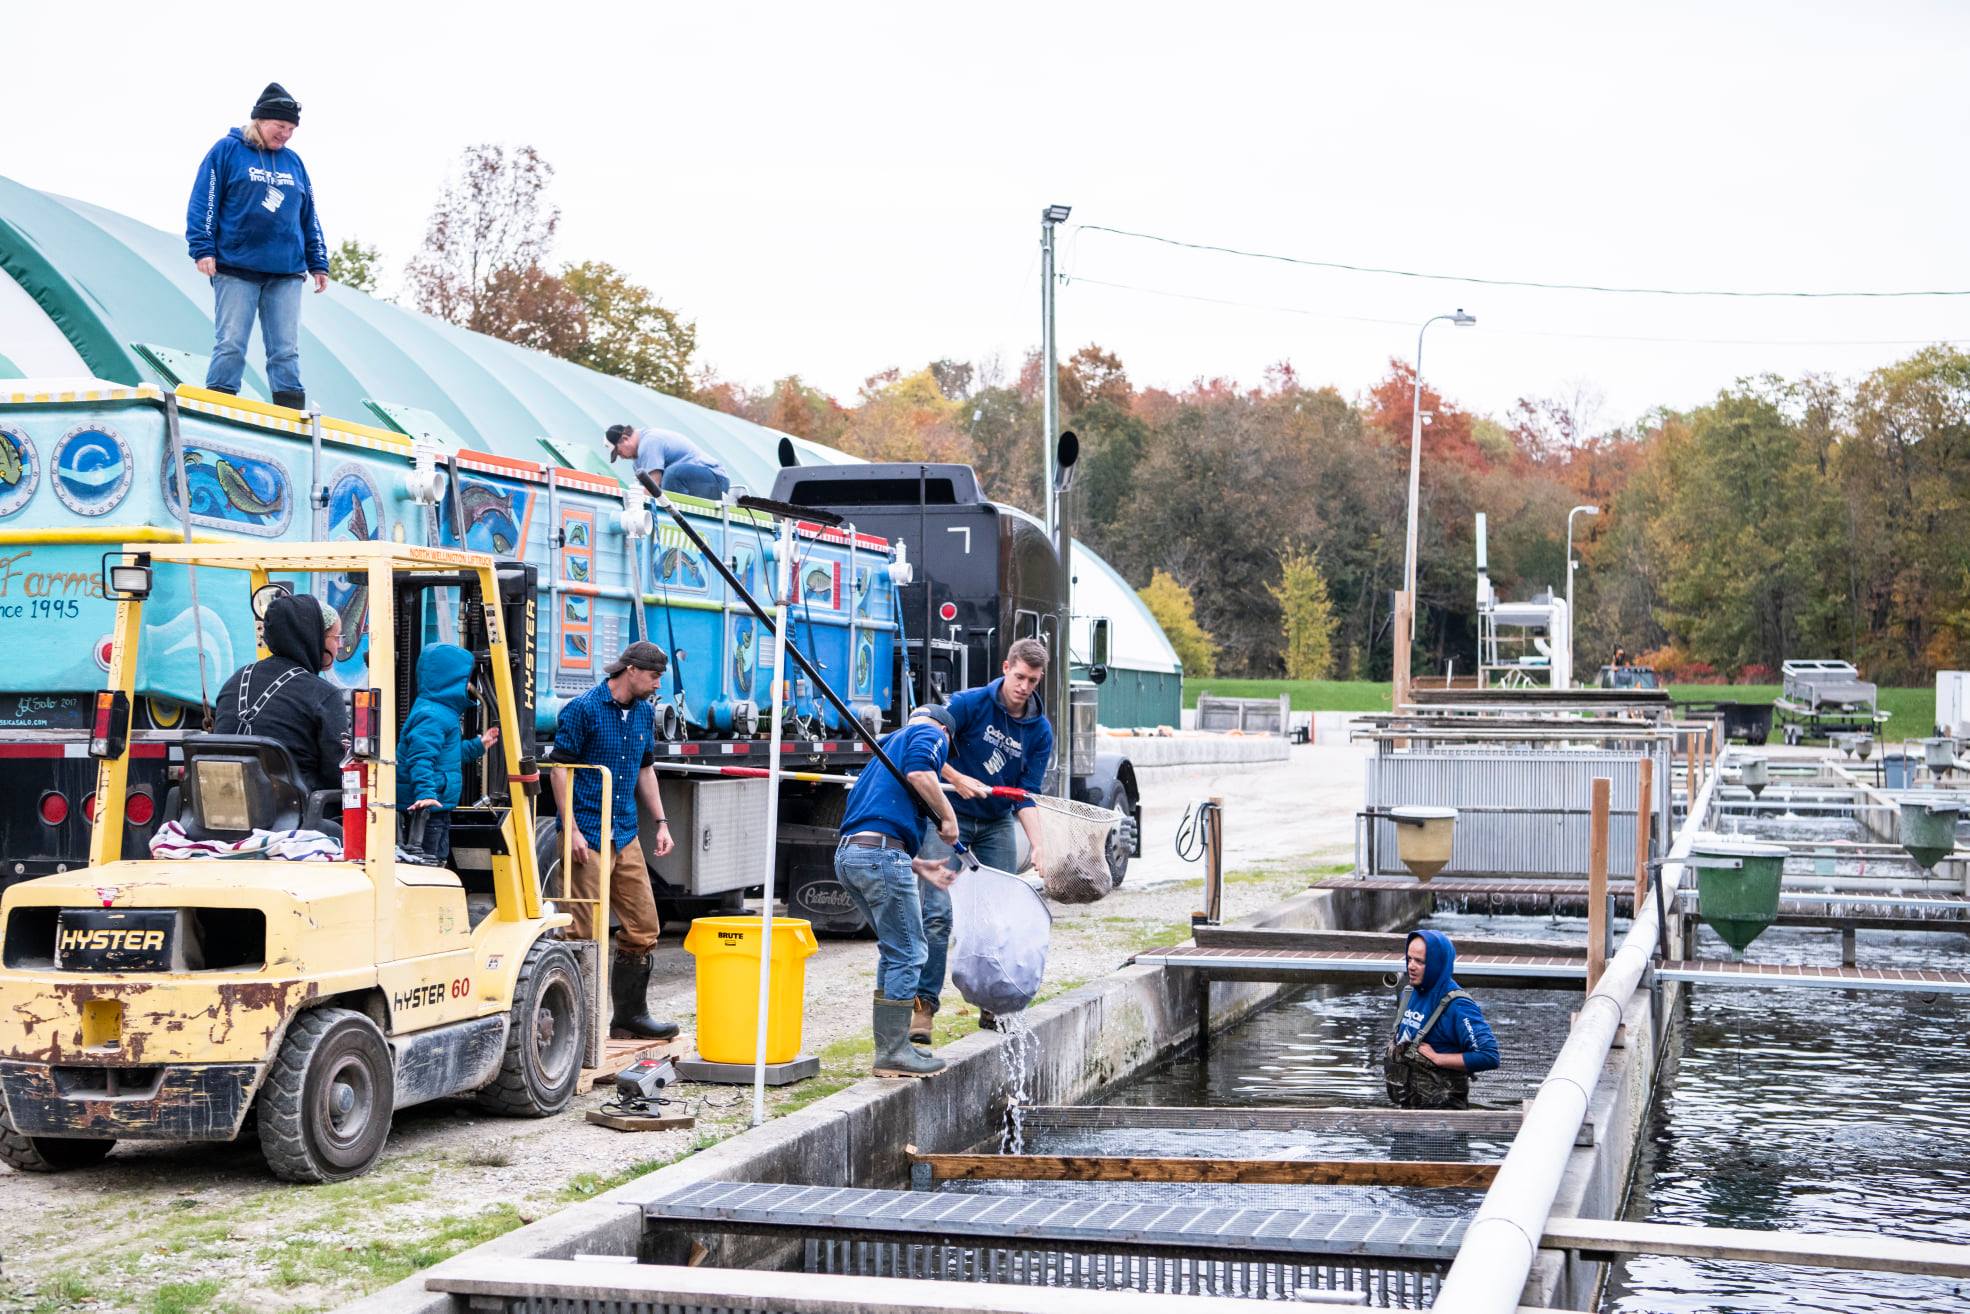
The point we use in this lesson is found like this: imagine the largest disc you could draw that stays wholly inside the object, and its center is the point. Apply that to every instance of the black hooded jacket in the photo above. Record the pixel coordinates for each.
(283, 698)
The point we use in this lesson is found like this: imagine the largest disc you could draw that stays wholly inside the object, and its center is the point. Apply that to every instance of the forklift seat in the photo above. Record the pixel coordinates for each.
(237, 784)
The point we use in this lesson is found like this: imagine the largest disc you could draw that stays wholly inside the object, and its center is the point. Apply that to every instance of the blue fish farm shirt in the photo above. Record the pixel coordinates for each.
(995, 746)
(880, 802)
(1462, 1028)
(597, 729)
(253, 211)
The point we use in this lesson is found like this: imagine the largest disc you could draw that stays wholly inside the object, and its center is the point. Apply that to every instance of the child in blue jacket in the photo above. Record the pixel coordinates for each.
(432, 749)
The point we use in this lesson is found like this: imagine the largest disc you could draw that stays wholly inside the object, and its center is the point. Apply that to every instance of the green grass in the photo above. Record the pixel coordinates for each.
(182, 1297)
(376, 1262)
(1912, 712)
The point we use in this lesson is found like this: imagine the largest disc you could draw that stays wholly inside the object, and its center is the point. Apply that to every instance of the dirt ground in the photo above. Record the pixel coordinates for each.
(171, 1230)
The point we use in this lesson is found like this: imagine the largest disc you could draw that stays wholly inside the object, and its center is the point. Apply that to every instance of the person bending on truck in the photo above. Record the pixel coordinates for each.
(284, 697)
(432, 748)
(876, 862)
(671, 460)
(1441, 1039)
(614, 726)
(253, 230)
(1003, 738)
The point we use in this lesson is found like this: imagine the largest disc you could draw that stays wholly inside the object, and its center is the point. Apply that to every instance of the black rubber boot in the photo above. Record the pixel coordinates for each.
(230, 392)
(294, 401)
(895, 1055)
(629, 991)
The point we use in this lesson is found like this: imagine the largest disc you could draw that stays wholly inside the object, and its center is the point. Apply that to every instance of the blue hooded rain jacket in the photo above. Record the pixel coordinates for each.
(432, 747)
(253, 211)
(1462, 1028)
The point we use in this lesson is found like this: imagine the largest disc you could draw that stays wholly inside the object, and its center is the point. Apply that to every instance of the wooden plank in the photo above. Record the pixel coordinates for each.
(1597, 909)
(621, 1051)
(1244, 1172)
(635, 1122)
(1265, 937)
(1860, 1250)
(1471, 1122)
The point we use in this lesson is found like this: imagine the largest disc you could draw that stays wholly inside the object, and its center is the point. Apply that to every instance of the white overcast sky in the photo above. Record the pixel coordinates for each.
(832, 189)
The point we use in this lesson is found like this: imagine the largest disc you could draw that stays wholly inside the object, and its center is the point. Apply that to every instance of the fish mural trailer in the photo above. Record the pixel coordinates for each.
(92, 468)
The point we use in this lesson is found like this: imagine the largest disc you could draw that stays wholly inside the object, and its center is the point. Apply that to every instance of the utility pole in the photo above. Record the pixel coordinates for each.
(1050, 218)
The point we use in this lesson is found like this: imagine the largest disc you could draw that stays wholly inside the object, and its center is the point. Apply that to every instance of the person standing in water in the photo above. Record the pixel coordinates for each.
(1441, 1039)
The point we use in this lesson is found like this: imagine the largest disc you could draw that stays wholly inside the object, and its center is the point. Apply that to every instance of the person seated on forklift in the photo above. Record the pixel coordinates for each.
(876, 861)
(672, 460)
(1441, 1039)
(614, 726)
(284, 697)
(432, 748)
(1003, 737)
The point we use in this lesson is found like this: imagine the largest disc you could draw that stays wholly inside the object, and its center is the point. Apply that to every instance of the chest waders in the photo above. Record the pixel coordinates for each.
(1413, 1081)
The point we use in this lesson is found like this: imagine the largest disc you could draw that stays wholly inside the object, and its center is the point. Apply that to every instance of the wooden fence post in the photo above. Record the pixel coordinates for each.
(1597, 885)
(1644, 817)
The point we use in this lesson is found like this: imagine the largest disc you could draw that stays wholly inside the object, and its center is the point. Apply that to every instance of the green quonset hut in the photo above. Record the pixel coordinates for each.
(86, 292)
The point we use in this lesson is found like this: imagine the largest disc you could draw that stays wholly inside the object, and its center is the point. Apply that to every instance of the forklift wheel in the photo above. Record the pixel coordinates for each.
(542, 1064)
(48, 1154)
(325, 1109)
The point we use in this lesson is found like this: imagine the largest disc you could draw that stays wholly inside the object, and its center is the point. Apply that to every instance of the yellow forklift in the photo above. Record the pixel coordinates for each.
(186, 999)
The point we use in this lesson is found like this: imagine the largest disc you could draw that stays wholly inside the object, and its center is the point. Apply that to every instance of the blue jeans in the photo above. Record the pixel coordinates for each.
(885, 889)
(694, 480)
(993, 844)
(437, 834)
(277, 303)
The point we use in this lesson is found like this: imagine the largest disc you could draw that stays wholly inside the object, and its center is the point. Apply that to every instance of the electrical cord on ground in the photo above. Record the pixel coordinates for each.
(1192, 831)
(637, 1106)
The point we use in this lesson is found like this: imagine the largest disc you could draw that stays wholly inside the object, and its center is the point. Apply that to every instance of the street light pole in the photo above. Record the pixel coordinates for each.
(1570, 563)
(1461, 320)
(1050, 218)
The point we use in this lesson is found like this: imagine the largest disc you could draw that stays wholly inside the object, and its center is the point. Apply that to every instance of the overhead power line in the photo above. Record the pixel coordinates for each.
(1514, 282)
(1521, 333)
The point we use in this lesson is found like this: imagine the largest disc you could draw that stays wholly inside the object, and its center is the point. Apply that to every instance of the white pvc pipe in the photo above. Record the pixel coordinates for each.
(781, 589)
(1502, 1241)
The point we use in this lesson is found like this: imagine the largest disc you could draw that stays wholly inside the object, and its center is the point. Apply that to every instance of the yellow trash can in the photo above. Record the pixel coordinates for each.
(727, 950)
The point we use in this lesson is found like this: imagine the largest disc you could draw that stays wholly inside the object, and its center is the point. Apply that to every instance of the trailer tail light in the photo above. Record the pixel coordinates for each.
(365, 708)
(53, 809)
(948, 612)
(89, 809)
(109, 730)
(139, 808)
(355, 813)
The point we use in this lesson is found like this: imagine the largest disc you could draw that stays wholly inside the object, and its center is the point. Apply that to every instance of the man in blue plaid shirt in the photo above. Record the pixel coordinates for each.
(614, 726)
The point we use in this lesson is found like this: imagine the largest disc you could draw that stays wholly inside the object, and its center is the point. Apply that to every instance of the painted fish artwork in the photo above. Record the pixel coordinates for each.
(233, 489)
(577, 533)
(865, 665)
(20, 470)
(575, 609)
(742, 656)
(577, 645)
(492, 518)
(578, 569)
(681, 569)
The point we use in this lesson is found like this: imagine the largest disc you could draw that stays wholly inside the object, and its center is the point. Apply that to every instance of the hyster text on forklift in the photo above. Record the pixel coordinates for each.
(166, 1000)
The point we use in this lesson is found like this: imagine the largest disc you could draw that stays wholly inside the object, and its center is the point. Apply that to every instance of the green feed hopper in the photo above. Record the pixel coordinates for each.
(1737, 885)
(1928, 829)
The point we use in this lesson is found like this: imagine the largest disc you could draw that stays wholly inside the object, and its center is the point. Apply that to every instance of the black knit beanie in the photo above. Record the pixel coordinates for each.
(275, 103)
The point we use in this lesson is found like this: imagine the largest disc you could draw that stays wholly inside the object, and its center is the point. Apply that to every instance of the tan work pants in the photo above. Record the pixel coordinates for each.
(629, 897)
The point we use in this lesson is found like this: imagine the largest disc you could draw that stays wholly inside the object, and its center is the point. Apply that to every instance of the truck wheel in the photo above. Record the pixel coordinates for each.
(325, 1110)
(49, 1154)
(542, 1063)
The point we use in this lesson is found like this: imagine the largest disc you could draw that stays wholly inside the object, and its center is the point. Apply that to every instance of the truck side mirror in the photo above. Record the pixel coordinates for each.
(1098, 650)
(1065, 453)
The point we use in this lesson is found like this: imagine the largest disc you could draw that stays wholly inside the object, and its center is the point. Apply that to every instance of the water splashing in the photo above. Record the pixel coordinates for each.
(1018, 1052)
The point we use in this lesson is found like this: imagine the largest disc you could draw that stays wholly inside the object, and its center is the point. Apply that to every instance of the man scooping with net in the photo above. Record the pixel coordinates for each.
(1002, 738)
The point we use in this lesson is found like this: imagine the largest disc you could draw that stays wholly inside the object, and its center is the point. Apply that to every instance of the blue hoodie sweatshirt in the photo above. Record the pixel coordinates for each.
(1462, 1028)
(432, 747)
(234, 218)
(993, 745)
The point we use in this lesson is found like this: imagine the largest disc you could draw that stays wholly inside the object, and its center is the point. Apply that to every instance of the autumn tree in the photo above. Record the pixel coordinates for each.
(353, 265)
(1307, 616)
(626, 332)
(1174, 609)
(492, 218)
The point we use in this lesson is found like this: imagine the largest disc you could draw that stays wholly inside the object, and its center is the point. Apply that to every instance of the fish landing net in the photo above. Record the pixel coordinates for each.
(1074, 843)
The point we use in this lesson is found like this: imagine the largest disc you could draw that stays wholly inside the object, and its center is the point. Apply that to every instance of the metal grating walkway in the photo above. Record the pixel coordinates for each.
(1190, 1229)
(1316, 965)
(1928, 981)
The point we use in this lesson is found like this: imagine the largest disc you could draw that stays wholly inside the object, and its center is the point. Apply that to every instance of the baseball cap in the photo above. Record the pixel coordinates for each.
(939, 713)
(646, 656)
